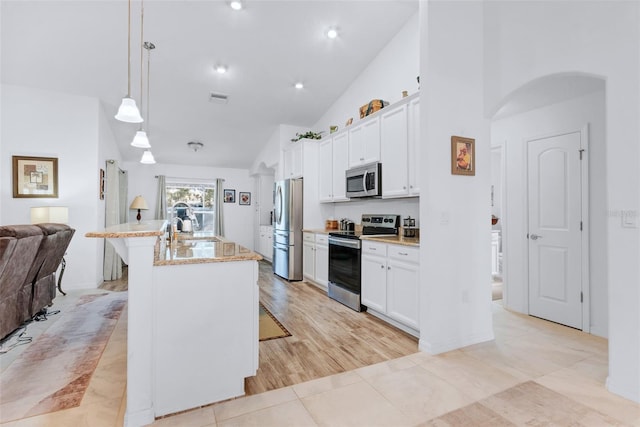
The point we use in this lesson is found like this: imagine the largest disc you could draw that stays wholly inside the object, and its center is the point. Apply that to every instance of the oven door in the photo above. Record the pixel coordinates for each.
(344, 263)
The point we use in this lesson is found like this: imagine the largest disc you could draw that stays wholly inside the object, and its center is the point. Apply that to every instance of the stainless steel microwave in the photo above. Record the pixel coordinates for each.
(364, 181)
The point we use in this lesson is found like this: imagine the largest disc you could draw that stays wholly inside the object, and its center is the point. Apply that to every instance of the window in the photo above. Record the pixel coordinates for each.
(192, 201)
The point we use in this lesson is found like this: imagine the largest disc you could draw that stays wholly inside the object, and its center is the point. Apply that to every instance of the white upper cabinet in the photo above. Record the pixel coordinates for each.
(332, 163)
(293, 161)
(414, 146)
(394, 151)
(325, 170)
(340, 165)
(364, 142)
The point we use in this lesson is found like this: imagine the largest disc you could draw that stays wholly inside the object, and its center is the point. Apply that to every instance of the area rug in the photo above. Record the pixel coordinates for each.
(269, 327)
(54, 371)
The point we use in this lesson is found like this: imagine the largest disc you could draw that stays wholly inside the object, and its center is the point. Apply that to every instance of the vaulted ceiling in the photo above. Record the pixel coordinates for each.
(80, 48)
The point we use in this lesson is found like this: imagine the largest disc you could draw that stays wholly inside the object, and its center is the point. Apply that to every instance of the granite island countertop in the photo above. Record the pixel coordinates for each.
(199, 248)
(131, 229)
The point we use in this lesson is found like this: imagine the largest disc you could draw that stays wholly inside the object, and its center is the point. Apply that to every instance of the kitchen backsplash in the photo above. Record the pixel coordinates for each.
(354, 209)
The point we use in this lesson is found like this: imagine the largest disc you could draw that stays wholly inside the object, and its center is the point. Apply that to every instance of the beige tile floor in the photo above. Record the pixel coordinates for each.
(534, 373)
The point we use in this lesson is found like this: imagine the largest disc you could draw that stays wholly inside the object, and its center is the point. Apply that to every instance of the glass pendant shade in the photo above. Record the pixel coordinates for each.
(141, 140)
(128, 111)
(147, 158)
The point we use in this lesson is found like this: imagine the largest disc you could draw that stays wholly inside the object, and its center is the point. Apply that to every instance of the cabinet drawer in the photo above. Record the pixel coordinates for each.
(404, 253)
(309, 237)
(373, 248)
(322, 239)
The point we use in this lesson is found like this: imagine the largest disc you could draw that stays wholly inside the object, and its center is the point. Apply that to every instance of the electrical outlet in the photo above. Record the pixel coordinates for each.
(629, 219)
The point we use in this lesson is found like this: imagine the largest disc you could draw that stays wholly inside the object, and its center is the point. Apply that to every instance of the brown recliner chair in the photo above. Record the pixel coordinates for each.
(42, 275)
(18, 251)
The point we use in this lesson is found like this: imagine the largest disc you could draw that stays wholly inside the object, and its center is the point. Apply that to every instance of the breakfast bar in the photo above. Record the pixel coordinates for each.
(192, 319)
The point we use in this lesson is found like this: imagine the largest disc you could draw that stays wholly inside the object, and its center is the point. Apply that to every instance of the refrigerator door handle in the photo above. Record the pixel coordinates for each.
(279, 207)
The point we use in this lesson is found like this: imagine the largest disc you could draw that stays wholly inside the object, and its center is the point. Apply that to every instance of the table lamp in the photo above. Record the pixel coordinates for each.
(54, 214)
(139, 203)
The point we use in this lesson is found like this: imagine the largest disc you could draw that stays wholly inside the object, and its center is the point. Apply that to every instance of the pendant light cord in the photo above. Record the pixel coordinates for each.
(129, 53)
(149, 46)
(141, 50)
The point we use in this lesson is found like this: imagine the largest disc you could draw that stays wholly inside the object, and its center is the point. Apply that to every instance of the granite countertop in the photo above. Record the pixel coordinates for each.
(199, 248)
(131, 229)
(394, 239)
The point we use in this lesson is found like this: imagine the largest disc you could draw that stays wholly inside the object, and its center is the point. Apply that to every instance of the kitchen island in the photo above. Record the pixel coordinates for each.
(192, 319)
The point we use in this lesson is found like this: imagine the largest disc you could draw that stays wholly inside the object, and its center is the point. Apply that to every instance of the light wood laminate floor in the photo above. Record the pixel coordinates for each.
(327, 337)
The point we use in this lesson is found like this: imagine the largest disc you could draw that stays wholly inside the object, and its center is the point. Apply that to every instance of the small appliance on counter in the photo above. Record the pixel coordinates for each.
(409, 227)
(345, 258)
(347, 225)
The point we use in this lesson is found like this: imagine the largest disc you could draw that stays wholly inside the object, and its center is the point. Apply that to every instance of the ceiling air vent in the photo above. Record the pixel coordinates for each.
(218, 98)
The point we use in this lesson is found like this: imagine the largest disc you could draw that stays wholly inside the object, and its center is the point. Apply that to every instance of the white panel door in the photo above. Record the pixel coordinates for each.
(555, 214)
(309, 260)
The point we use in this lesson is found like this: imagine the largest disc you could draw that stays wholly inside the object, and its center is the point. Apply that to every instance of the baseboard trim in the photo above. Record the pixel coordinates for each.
(453, 344)
(631, 394)
(139, 418)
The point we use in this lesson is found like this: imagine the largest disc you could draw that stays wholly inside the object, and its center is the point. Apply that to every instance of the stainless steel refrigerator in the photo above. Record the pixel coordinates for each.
(287, 229)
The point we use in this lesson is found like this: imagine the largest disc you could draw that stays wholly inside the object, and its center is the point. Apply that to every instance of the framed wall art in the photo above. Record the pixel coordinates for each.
(35, 177)
(463, 156)
(229, 196)
(245, 198)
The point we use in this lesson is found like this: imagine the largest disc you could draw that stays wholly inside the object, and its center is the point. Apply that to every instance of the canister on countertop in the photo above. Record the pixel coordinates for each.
(409, 227)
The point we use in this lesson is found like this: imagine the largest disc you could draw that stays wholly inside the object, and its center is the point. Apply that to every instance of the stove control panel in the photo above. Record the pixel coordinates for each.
(381, 220)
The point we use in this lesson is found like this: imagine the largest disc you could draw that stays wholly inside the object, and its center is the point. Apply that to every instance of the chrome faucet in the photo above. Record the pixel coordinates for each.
(174, 221)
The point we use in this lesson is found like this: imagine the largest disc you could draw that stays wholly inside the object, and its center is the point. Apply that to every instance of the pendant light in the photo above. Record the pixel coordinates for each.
(147, 157)
(128, 111)
(141, 140)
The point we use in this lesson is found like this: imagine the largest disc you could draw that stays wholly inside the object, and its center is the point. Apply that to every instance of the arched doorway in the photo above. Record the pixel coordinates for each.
(540, 110)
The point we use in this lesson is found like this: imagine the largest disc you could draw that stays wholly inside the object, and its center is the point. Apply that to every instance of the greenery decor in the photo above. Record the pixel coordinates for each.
(308, 135)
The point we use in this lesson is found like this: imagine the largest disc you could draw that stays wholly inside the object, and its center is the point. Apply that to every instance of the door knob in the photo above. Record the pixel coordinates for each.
(535, 237)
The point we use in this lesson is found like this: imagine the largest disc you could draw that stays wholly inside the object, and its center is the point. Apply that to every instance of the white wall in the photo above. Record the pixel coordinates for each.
(601, 39)
(238, 219)
(513, 132)
(455, 274)
(393, 70)
(50, 124)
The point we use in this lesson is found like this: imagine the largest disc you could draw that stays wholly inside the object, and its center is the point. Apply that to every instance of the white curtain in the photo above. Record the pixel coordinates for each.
(161, 201)
(112, 267)
(218, 208)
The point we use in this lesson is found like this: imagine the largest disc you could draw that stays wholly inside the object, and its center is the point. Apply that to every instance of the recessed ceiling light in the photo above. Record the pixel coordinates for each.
(332, 33)
(299, 85)
(236, 5)
(221, 69)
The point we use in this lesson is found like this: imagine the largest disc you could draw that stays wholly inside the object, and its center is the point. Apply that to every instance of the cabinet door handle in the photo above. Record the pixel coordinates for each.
(403, 253)
(372, 249)
(388, 268)
(381, 266)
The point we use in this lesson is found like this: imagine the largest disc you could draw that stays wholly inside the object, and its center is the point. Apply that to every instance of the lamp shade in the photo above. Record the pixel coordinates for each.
(139, 203)
(128, 111)
(147, 158)
(141, 140)
(54, 214)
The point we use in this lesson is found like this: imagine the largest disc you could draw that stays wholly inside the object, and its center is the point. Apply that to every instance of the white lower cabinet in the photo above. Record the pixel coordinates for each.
(390, 283)
(265, 243)
(315, 258)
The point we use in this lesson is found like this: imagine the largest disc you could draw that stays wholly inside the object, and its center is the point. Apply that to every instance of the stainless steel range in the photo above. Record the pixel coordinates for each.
(345, 258)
